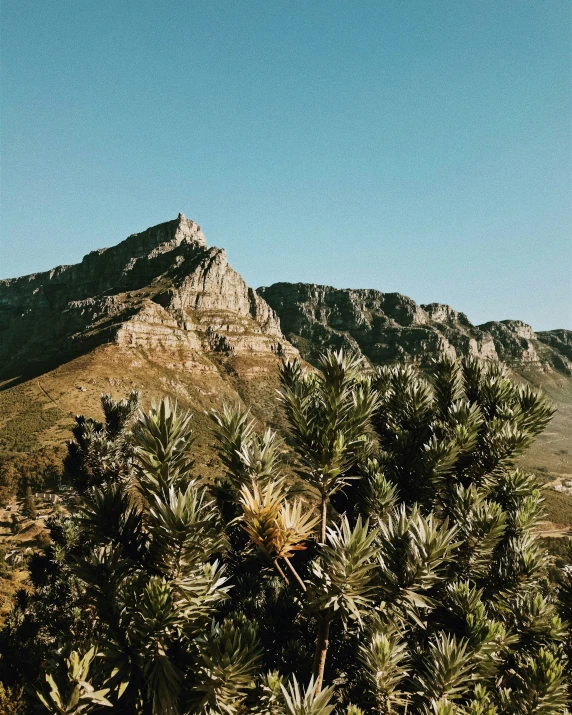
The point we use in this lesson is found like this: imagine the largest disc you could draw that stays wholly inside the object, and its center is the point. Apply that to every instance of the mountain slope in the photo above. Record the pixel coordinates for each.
(389, 327)
(163, 313)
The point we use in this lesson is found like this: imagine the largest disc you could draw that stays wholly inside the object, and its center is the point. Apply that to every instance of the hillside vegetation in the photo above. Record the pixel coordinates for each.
(380, 557)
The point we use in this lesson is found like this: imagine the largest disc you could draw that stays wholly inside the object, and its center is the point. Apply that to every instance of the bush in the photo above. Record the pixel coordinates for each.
(11, 701)
(388, 562)
(39, 470)
(14, 524)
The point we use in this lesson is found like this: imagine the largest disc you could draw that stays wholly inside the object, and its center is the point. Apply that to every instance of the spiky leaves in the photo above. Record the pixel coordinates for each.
(377, 495)
(343, 575)
(342, 583)
(540, 688)
(234, 431)
(183, 529)
(276, 526)
(163, 449)
(469, 421)
(102, 451)
(564, 598)
(151, 572)
(77, 695)
(384, 658)
(329, 413)
(228, 660)
(481, 525)
(246, 454)
(445, 672)
(311, 701)
(413, 553)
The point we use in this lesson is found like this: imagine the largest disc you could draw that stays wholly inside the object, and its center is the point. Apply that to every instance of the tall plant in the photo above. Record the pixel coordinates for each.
(379, 558)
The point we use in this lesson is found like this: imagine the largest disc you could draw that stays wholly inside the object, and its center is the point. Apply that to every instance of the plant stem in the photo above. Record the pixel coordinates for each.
(324, 511)
(322, 642)
(295, 574)
(279, 569)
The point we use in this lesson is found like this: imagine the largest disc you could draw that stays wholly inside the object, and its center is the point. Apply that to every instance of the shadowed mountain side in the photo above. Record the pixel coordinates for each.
(162, 289)
(390, 327)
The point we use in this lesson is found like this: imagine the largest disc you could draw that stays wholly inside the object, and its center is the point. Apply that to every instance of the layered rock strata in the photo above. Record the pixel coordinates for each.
(163, 288)
(389, 327)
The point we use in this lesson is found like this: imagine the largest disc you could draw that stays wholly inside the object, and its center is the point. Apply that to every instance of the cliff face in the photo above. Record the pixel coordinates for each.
(163, 313)
(388, 327)
(163, 288)
(166, 290)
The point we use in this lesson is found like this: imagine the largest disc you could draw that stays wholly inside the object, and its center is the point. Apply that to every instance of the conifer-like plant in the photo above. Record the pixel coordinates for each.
(378, 558)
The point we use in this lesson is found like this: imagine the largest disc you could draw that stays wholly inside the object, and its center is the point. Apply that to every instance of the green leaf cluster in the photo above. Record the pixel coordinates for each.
(379, 557)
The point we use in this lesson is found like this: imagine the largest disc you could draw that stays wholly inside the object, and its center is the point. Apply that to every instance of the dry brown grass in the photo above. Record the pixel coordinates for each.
(40, 411)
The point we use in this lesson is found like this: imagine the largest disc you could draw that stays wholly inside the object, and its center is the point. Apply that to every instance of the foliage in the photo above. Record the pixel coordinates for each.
(380, 560)
(40, 470)
(102, 451)
(29, 505)
(78, 695)
(22, 431)
(11, 700)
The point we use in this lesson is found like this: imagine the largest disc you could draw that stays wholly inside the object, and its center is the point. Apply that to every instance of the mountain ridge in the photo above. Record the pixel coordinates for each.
(164, 288)
(391, 327)
(161, 287)
(163, 313)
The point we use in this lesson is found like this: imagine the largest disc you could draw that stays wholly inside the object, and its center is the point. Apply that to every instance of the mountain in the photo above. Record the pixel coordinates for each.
(163, 313)
(390, 327)
(160, 312)
(161, 289)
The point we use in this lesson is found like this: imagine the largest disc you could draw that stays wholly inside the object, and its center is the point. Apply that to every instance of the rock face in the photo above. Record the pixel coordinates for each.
(166, 292)
(561, 343)
(163, 288)
(389, 327)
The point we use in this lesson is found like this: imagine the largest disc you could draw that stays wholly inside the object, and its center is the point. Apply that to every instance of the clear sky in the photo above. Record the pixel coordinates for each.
(419, 146)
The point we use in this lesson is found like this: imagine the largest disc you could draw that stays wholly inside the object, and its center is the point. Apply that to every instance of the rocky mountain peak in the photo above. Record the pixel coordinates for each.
(442, 313)
(157, 240)
(162, 288)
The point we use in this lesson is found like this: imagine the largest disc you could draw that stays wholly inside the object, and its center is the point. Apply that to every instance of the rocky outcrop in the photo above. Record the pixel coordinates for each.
(165, 291)
(130, 265)
(560, 343)
(514, 341)
(389, 327)
(160, 288)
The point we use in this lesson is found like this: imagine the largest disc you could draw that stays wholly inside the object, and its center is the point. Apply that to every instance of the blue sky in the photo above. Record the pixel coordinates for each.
(419, 146)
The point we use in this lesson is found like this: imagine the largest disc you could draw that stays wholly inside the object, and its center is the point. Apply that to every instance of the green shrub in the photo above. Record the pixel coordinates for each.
(387, 563)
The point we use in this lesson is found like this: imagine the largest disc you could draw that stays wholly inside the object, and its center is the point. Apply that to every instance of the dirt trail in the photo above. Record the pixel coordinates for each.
(47, 394)
(557, 531)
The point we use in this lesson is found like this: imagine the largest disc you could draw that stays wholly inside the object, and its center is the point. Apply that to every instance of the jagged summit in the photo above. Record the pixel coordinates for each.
(163, 288)
(168, 235)
(154, 241)
(390, 327)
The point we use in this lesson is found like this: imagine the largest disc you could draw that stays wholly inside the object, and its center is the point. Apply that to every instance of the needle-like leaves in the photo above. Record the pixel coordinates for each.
(344, 573)
(309, 701)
